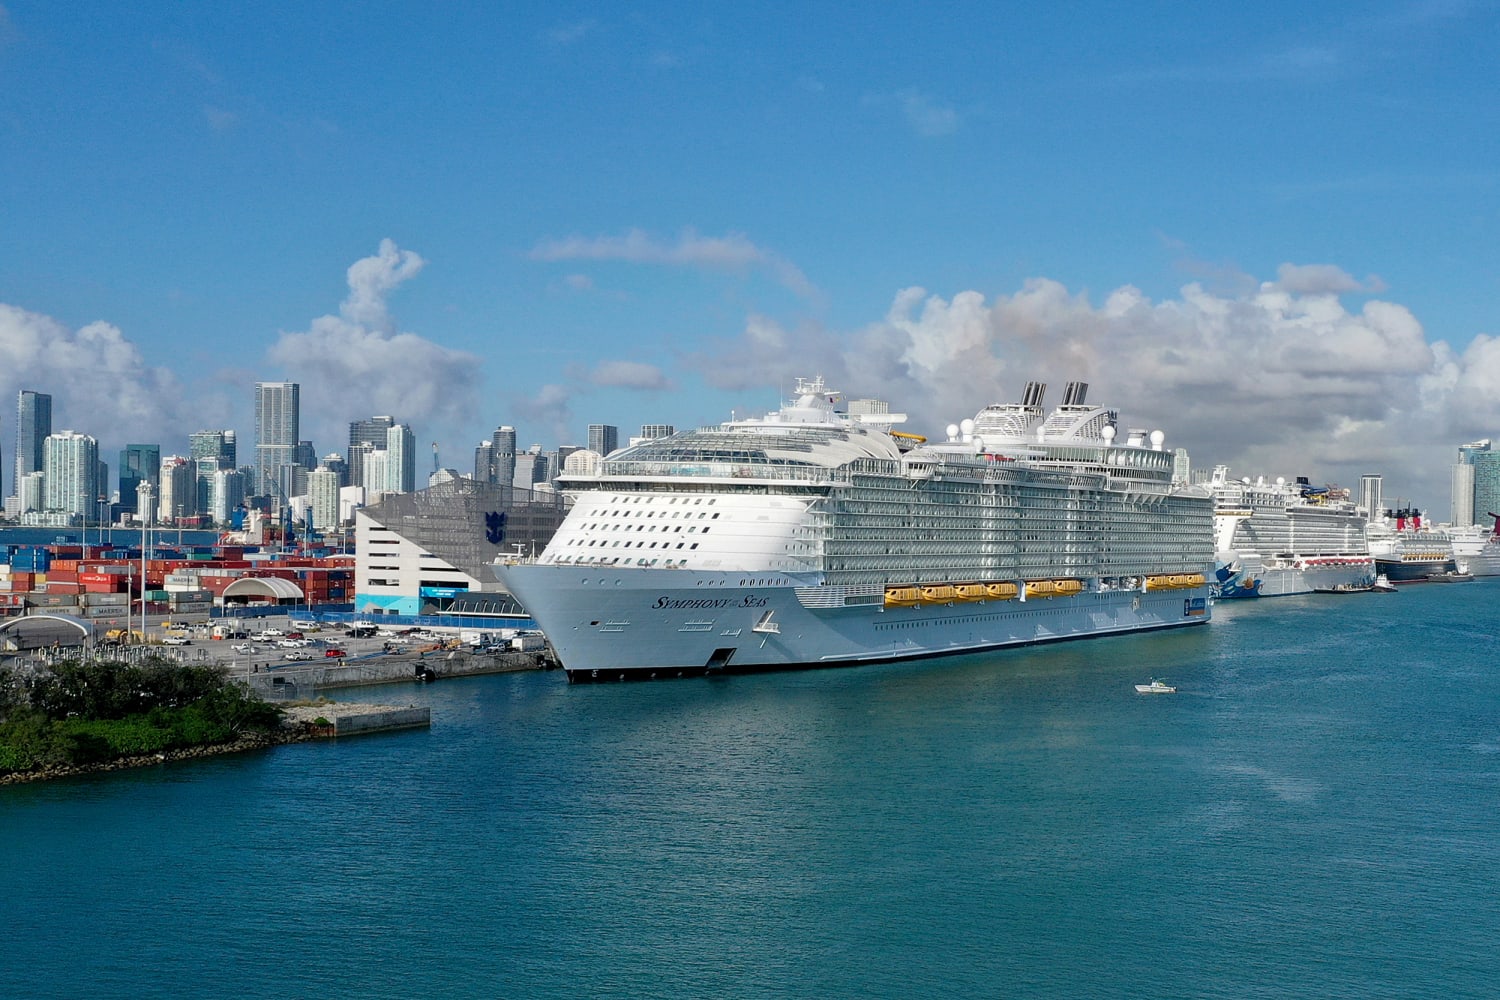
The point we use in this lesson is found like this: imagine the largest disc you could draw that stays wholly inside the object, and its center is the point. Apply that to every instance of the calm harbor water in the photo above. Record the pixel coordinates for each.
(1314, 814)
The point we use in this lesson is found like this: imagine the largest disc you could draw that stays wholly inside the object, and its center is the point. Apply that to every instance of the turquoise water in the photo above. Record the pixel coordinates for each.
(1314, 814)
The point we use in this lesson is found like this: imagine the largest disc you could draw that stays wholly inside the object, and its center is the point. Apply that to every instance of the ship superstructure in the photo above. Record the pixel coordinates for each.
(818, 535)
(1407, 548)
(1476, 548)
(1275, 537)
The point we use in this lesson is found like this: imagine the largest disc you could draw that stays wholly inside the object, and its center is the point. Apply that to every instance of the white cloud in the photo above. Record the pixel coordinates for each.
(99, 382)
(219, 119)
(355, 364)
(925, 117)
(1281, 379)
(629, 375)
(551, 407)
(567, 34)
(733, 253)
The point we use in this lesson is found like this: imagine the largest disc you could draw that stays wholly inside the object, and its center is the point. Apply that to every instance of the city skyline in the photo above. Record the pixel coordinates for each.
(1266, 231)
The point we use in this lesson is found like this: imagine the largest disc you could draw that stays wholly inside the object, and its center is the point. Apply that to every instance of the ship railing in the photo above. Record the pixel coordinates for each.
(726, 470)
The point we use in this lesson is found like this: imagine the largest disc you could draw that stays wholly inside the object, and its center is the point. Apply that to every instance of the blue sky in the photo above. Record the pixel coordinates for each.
(1268, 230)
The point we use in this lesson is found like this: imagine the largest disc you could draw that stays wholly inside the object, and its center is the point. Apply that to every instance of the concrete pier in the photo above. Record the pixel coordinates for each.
(352, 719)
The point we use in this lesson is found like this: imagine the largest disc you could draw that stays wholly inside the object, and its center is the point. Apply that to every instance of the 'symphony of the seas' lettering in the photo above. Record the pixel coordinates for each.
(703, 603)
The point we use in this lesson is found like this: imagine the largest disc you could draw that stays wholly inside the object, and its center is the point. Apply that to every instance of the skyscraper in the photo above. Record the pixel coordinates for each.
(604, 438)
(1370, 495)
(139, 463)
(1461, 510)
(401, 459)
(70, 465)
(217, 445)
(33, 424)
(178, 495)
(503, 443)
(323, 492)
(277, 426)
(370, 433)
(484, 462)
(1486, 486)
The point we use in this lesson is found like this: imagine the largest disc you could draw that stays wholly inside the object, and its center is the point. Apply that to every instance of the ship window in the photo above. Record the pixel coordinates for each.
(695, 545)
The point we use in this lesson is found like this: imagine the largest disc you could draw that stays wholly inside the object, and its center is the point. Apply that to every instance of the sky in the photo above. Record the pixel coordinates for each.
(1267, 229)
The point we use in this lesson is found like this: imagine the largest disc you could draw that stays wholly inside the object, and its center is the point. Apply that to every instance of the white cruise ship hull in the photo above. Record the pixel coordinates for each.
(1254, 579)
(637, 624)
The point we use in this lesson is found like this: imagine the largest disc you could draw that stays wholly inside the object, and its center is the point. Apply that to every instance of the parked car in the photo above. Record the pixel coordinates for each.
(243, 647)
(294, 635)
(334, 652)
(300, 654)
(304, 624)
(177, 640)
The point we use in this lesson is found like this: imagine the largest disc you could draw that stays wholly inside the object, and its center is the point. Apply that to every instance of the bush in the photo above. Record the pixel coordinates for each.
(84, 713)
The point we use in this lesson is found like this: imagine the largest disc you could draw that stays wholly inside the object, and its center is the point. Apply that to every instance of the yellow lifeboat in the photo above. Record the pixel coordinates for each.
(970, 591)
(1193, 580)
(902, 597)
(1064, 588)
(1040, 588)
(1001, 591)
(938, 593)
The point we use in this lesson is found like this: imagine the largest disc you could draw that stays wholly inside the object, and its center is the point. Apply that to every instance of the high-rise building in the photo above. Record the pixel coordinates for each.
(484, 462)
(323, 494)
(139, 463)
(227, 494)
(531, 469)
(217, 445)
(503, 441)
(307, 455)
(401, 459)
(604, 438)
(33, 424)
(277, 430)
(334, 462)
(178, 489)
(371, 434)
(70, 467)
(1461, 495)
(376, 483)
(1370, 495)
(1486, 486)
(31, 491)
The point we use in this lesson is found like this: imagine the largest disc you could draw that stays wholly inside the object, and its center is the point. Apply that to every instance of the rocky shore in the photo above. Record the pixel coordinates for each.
(297, 726)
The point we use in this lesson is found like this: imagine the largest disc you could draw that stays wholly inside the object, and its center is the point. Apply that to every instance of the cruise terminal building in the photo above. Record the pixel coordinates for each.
(430, 552)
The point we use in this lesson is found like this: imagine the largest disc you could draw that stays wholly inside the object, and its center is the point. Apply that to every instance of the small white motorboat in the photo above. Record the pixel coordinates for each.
(1155, 687)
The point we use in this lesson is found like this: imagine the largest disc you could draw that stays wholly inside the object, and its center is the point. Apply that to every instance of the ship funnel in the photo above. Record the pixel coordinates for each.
(1074, 393)
(1033, 394)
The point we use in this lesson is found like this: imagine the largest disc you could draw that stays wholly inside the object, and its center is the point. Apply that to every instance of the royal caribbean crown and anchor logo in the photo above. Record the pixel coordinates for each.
(494, 527)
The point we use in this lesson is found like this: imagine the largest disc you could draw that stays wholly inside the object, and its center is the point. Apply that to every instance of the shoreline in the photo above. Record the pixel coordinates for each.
(296, 727)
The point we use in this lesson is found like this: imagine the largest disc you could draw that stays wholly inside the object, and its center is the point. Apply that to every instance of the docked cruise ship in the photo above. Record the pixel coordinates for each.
(817, 535)
(1276, 538)
(1407, 550)
(1476, 549)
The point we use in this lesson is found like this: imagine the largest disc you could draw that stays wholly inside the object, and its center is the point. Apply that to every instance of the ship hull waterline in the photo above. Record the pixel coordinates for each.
(617, 624)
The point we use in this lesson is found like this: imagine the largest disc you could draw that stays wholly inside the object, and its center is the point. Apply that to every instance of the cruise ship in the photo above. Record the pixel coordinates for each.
(817, 535)
(1276, 538)
(1406, 550)
(1476, 549)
